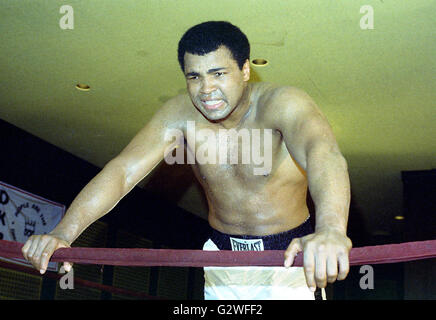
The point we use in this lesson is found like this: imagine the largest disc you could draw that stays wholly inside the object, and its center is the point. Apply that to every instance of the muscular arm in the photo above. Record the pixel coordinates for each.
(311, 143)
(105, 190)
(118, 177)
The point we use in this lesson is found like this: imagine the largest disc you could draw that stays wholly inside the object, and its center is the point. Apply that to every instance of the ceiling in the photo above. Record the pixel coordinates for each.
(376, 86)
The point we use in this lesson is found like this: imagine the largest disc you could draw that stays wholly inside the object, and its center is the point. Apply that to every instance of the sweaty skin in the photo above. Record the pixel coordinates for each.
(304, 155)
(241, 202)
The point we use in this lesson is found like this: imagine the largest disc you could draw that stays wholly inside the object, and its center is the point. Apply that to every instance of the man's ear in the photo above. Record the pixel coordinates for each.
(246, 70)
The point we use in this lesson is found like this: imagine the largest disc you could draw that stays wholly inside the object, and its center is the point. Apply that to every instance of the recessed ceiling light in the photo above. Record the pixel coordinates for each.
(259, 62)
(83, 87)
(399, 218)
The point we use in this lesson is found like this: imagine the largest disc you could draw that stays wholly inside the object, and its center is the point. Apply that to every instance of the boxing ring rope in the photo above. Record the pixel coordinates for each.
(389, 253)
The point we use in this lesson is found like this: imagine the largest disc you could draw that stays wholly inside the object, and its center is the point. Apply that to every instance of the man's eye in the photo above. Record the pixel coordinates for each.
(193, 78)
(219, 74)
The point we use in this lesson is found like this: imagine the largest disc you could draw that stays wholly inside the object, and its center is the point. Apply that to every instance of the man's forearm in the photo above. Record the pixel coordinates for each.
(329, 186)
(99, 196)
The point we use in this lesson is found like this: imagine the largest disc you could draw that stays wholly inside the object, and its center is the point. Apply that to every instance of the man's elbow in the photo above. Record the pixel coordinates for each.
(327, 156)
(116, 171)
(323, 150)
(338, 160)
(341, 160)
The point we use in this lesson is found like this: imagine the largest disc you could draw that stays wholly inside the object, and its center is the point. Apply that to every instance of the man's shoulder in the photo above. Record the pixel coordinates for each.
(278, 101)
(181, 102)
(177, 109)
(274, 94)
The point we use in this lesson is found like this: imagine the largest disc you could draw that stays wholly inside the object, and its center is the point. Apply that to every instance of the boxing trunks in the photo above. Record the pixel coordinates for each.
(254, 283)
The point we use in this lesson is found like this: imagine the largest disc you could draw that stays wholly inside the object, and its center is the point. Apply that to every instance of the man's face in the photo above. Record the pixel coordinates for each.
(215, 83)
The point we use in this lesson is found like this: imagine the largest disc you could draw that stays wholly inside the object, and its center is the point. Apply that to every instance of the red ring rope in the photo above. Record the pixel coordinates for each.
(389, 253)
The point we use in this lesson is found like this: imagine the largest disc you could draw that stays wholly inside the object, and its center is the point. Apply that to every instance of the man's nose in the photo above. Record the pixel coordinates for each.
(207, 86)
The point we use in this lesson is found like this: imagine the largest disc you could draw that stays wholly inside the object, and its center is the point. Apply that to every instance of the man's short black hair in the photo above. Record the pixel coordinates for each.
(209, 36)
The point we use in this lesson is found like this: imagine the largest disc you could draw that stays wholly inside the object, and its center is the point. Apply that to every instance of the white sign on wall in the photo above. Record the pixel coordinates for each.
(23, 214)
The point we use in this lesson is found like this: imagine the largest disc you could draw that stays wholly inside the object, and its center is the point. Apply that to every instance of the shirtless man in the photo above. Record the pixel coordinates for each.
(214, 57)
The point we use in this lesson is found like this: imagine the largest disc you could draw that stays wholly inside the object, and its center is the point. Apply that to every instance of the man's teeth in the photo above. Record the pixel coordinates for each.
(212, 102)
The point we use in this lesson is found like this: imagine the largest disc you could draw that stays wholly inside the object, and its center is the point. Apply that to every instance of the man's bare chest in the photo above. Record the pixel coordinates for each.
(241, 152)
